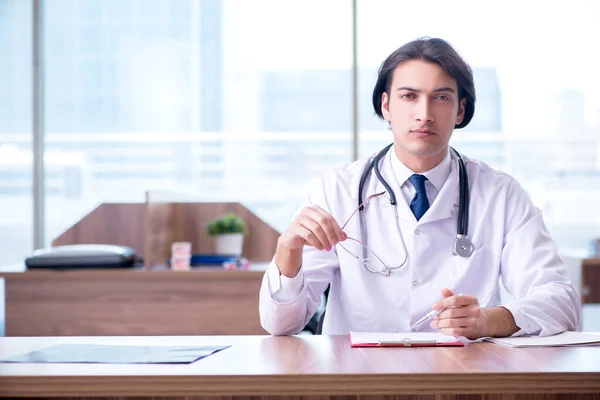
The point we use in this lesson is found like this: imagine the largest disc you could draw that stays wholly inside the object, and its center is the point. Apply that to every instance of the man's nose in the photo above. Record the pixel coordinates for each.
(423, 111)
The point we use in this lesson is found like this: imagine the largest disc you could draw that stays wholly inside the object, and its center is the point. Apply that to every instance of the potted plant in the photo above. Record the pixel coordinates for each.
(229, 231)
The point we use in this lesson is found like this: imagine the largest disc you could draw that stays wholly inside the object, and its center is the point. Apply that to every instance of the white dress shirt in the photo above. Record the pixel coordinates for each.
(436, 177)
(508, 233)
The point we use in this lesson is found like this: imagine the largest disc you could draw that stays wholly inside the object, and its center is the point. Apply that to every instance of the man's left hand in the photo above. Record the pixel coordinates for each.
(462, 316)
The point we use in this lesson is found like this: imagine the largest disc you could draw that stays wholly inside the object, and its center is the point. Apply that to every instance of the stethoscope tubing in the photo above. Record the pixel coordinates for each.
(462, 246)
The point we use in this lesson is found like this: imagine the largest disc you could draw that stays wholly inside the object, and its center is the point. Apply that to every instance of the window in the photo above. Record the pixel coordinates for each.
(16, 154)
(537, 115)
(186, 95)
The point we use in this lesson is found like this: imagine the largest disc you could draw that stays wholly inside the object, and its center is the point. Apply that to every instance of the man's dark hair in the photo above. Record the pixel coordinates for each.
(436, 51)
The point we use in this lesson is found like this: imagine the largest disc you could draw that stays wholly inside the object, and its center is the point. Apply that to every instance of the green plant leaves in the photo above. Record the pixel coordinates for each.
(228, 223)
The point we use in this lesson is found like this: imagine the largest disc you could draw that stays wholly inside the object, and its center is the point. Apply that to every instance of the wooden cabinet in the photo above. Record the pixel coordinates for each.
(131, 302)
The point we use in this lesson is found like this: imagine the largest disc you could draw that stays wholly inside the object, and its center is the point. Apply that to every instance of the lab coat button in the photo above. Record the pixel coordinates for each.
(417, 232)
(415, 283)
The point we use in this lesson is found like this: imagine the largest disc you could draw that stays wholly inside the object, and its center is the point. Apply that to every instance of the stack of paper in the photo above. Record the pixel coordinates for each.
(379, 339)
(562, 339)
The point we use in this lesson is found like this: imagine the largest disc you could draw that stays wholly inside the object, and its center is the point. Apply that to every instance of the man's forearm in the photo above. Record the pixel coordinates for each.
(499, 322)
(288, 261)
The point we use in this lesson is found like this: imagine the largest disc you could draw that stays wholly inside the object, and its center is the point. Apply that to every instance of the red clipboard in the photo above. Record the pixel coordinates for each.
(401, 340)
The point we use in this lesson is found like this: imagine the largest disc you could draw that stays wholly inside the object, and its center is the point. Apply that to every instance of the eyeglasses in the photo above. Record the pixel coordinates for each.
(370, 265)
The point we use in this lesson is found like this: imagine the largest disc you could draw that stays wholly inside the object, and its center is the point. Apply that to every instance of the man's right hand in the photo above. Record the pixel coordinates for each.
(312, 227)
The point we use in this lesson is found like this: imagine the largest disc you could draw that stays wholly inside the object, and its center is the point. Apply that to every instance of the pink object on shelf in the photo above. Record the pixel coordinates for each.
(181, 249)
(180, 263)
(181, 255)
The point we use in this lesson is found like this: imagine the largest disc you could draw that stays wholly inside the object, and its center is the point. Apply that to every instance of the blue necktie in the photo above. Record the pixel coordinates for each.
(419, 204)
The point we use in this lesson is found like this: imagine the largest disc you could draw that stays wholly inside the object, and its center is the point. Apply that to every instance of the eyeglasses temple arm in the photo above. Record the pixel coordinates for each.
(359, 207)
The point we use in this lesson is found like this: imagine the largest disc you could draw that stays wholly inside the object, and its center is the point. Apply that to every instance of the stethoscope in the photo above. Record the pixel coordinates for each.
(462, 245)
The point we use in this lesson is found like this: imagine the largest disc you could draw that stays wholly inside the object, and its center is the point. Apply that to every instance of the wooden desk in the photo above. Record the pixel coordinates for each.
(128, 302)
(590, 281)
(311, 366)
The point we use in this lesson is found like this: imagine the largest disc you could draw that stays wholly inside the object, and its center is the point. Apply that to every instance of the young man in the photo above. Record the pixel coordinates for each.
(436, 230)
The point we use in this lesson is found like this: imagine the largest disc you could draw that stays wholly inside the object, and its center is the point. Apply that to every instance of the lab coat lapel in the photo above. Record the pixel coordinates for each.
(446, 202)
(403, 208)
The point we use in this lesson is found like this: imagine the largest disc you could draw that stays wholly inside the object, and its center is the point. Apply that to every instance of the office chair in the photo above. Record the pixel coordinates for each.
(315, 324)
(321, 317)
(320, 325)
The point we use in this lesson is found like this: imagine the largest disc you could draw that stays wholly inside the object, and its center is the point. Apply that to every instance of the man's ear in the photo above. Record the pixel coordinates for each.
(385, 106)
(461, 111)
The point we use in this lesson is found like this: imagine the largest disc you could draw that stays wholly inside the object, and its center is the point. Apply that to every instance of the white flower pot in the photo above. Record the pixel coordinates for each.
(229, 244)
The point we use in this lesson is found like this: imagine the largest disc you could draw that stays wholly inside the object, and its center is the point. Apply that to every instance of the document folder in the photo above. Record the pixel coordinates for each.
(381, 339)
(115, 354)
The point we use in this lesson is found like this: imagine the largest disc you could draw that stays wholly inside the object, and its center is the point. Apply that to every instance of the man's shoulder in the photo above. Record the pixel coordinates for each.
(484, 173)
(337, 185)
(342, 180)
(350, 171)
(491, 182)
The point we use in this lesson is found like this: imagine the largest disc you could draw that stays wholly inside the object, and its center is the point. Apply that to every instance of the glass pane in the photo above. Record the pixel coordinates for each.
(16, 162)
(537, 115)
(216, 99)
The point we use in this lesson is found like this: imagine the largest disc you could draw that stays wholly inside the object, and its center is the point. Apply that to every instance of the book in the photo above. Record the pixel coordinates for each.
(384, 339)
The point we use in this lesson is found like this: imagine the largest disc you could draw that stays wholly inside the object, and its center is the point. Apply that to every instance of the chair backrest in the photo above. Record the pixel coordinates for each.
(158, 229)
(320, 324)
(319, 330)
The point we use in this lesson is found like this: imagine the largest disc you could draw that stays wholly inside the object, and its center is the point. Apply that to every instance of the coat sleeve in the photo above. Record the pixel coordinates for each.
(286, 305)
(546, 302)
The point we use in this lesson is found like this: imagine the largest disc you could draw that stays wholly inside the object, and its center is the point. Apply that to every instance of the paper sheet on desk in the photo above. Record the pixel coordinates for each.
(562, 339)
(384, 339)
(115, 354)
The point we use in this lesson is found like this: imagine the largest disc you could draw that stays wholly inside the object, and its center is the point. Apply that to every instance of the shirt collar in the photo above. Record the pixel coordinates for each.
(436, 175)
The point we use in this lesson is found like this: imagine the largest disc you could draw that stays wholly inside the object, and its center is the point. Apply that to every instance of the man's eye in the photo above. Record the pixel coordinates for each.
(443, 97)
(407, 96)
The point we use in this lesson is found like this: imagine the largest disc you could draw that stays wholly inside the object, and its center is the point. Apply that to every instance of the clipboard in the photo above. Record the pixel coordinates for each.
(383, 339)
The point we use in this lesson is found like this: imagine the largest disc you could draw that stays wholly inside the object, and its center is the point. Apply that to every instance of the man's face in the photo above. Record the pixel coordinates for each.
(422, 108)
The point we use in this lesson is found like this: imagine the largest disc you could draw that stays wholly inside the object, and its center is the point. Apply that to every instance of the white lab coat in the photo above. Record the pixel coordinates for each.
(508, 233)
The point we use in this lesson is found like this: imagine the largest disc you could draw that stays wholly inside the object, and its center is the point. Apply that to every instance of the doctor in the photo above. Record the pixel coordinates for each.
(435, 230)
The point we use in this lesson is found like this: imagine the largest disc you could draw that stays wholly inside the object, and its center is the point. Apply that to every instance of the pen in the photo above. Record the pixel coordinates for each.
(429, 316)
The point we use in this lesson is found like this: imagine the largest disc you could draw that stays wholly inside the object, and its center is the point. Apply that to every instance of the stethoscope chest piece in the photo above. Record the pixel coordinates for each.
(463, 246)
